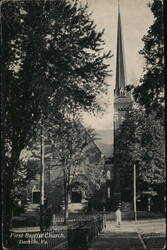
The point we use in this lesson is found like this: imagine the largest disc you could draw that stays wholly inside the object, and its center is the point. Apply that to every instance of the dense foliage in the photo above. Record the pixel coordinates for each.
(141, 141)
(77, 157)
(150, 91)
(52, 57)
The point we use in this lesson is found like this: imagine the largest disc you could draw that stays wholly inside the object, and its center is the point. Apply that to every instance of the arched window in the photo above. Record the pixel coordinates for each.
(108, 192)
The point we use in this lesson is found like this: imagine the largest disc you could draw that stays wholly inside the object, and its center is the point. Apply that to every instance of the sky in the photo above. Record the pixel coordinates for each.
(136, 18)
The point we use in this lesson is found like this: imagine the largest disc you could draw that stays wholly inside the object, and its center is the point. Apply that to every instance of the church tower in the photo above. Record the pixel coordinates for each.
(122, 99)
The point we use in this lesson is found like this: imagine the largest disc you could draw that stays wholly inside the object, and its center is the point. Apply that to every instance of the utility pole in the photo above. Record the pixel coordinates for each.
(134, 192)
(49, 169)
(42, 181)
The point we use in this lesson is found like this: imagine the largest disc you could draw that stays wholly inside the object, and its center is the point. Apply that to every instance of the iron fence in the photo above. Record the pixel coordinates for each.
(78, 232)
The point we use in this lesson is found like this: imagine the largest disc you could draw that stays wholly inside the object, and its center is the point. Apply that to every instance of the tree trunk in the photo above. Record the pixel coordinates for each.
(7, 206)
(66, 214)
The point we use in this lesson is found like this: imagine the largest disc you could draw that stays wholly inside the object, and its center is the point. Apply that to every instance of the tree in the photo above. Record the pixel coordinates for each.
(140, 141)
(77, 157)
(51, 57)
(70, 152)
(150, 92)
(150, 95)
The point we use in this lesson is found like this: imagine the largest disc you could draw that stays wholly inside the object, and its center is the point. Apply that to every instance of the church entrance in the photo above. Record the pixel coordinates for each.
(36, 194)
(76, 197)
(36, 197)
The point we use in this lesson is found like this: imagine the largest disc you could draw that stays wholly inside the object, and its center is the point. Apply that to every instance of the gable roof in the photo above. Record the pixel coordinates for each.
(104, 141)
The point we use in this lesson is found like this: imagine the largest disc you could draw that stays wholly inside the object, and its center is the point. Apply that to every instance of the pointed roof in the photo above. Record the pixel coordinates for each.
(104, 142)
(120, 71)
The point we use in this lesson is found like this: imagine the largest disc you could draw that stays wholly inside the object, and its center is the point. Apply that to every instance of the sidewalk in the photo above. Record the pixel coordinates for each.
(145, 226)
(132, 235)
(117, 240)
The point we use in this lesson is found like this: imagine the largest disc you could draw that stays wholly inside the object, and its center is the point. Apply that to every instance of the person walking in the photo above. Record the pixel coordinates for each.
(118, 216)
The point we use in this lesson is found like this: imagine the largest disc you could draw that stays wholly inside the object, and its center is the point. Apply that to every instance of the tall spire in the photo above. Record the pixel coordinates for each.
(120, 72)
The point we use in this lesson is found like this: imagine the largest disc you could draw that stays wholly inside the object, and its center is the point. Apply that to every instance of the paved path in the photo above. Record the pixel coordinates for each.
(131, 235)
(145, 226)
(124, 237)
(120, 240)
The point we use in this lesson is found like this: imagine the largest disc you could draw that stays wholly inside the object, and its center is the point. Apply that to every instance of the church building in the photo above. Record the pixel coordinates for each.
(109, 195)
(122, 105)
(122, 100)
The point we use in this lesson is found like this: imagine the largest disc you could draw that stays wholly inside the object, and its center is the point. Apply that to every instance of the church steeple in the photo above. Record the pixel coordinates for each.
(120, 71)
(122, 106)
(122, 98)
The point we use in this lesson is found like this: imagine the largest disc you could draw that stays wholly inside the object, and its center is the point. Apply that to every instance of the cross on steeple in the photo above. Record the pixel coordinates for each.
(120, 71)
